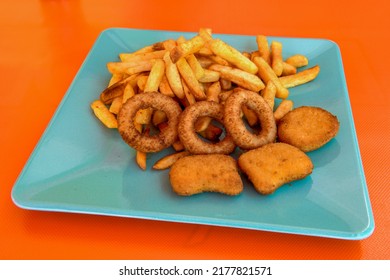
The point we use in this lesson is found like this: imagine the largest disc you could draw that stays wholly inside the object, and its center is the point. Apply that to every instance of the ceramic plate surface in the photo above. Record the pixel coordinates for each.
(80, 166)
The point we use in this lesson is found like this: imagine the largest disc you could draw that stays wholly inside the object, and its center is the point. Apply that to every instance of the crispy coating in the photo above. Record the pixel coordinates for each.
(236, 127)
(308, 128)
(148, 143)
(191, 141)
(273, 165)
(205, 173)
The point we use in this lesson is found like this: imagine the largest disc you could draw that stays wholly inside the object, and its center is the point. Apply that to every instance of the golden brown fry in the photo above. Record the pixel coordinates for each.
(288, 69)
(266, 74)
(300, 78)
(128, 92)
(268, 93)
(156, 74)
(159, 117)
(185, 48)
(213, 92)
(165, 87)
(204, 61)
(145, 49)
(250, 115)
(232, 55)
(209, 76)
(206, 34)
(276, 58)
(113, 91)
(144, 116)
(141, 82)
(167, 161)
(284, 107)
(219, 60)
(189, 97)
(178, 146)
(116, 77)
(142, 56)
(141, 159)
(116, 105)
(297, 60)
(239, 77)
(189, 77)
(173, 76)
(140, 67)
(195, 66)
(103, 114)
(263, 47)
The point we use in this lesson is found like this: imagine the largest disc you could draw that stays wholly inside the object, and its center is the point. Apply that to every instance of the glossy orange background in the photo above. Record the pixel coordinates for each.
(42, 45)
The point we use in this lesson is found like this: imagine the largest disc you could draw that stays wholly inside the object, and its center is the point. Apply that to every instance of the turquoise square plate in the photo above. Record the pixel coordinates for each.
(79, 166)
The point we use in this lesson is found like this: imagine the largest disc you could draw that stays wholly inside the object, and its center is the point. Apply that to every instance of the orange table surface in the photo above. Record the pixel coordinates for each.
(42, 45)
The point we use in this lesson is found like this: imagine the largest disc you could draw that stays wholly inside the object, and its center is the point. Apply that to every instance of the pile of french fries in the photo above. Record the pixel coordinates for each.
(200, 68)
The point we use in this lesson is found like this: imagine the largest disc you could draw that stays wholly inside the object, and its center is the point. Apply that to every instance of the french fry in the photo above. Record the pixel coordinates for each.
(219, 60)
(189, 98)
(232, 55)
(266, 74)
(167, 161)
(276, 58)
(268, 93)
(185, 48)
(140, 158)
(239, 77)
(297, 60)
(165, 87)
(144, 116)
(212, 132)
(103, 114)
(173, 76)
(116, 77)
(128, 92)
(116, 105)
(141, 82)
(288, 69)
(202, 123)
(195, 66)
(178, 146)
(300, 78)
(205, 61)
(250, 115)
(189, 77)
(113, 91)
(147, 56)
(263, 47)
(133, 66)
(145, 49)
(213, 92)
(284, 107)
(156, 74)
(210, 76)
(159, 117)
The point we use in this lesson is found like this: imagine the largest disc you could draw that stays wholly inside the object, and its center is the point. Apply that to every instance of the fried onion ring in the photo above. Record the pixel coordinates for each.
(235, 126)
(149, 143)
(191, 141)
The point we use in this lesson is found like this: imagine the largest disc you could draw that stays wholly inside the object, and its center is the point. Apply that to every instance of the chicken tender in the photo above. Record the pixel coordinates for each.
(205, 173)
(308, 128)
(273, 165)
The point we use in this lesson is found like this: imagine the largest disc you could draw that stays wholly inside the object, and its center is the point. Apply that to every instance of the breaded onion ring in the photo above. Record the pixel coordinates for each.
(189, 138)
(236, 126)
(149, 143)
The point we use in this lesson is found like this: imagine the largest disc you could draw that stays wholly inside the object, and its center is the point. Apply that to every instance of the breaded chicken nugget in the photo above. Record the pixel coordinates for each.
(273, 165)
(205, 173)
(308, 128)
